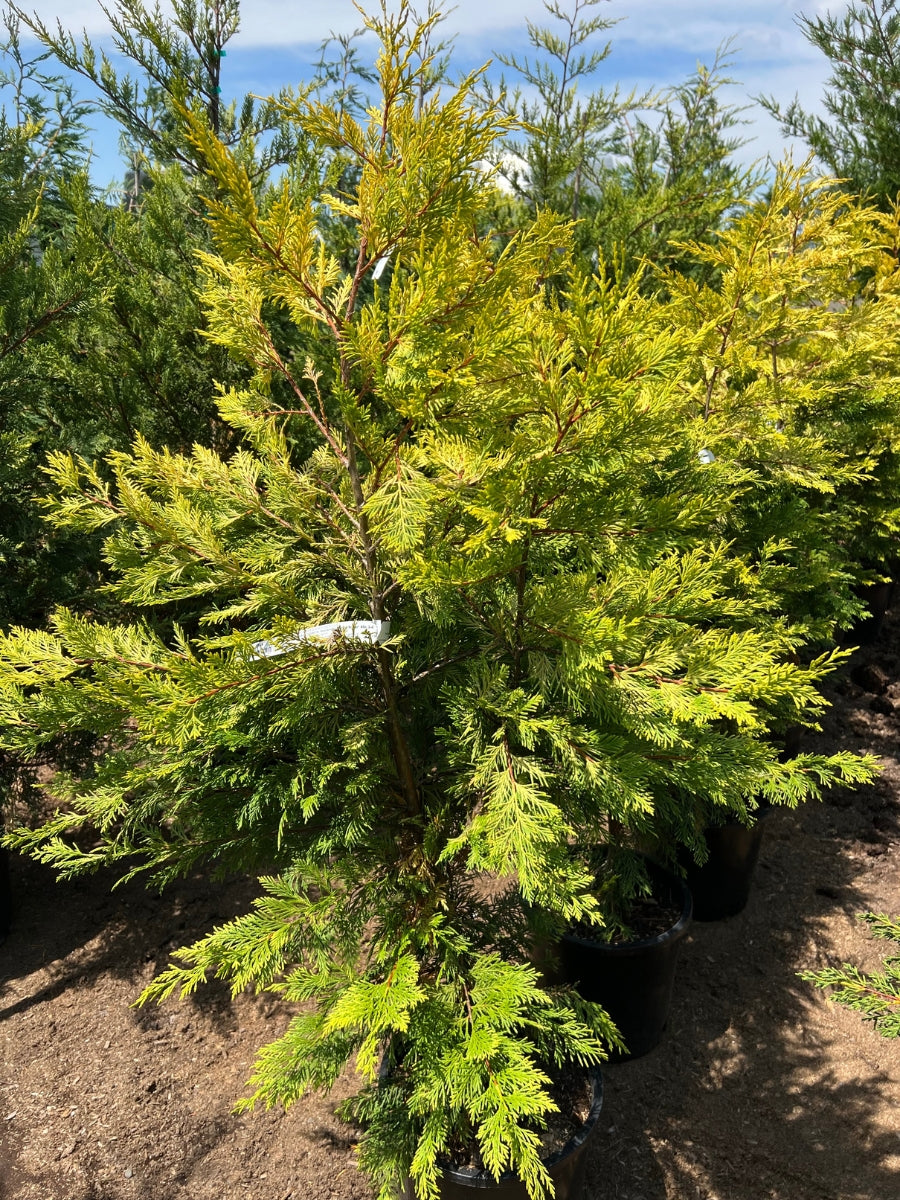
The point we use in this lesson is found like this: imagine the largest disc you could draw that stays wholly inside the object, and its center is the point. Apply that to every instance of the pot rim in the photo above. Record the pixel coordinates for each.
(673, 933)
(480, 1177)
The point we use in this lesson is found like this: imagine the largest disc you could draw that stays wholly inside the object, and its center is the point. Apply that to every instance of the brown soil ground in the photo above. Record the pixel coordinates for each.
(761, 1090)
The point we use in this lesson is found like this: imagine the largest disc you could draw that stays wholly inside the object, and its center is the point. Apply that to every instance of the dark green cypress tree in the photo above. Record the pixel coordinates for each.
(42, 152)
(639, 174)
(859, 139)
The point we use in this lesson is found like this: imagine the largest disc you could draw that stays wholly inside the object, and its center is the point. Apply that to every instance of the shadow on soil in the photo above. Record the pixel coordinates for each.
(70, 934)
(739, 1090)
(74, 930)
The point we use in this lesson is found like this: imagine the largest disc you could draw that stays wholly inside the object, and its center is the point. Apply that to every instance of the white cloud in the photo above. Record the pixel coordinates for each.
(694, 23)
(682, 23)
(761, 27)
(655, 43)
(74, 14)
(282, 22)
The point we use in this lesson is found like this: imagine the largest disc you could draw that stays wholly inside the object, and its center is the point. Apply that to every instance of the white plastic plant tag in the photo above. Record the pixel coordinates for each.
(706, 456)
(380, 265)
(372, 632)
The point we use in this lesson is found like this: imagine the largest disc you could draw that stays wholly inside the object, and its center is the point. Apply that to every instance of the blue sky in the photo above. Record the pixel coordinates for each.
(655, 43)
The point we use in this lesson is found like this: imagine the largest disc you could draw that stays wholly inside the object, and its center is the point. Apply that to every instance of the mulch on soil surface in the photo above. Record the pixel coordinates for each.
(761, 1089)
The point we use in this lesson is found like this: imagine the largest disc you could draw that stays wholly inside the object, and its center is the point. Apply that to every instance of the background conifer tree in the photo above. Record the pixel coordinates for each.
(640, 173)
(797, 384)
(41, 149)
(179, 60)
(859, 140)
(555, 164)
(672, 176)
(134, 360)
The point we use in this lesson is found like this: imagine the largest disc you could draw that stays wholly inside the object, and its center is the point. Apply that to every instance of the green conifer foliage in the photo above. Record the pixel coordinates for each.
(180, 60)
(492, 488)
(566, 136)
(133, 358)
(41, 150)
(672, 177)
(797, 384)
(860, 139)
(45, 106)
(640, 173)
(877, 994)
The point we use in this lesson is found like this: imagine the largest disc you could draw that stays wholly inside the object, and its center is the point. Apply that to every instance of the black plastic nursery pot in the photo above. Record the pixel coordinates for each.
(721, 886)
(877, 598)
(566, 1166)
(632, 980)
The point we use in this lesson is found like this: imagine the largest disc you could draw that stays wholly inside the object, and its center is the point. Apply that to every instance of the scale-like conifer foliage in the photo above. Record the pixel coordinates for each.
(501, 480)
(797, 381)
(41, 147)
(875, 994)
(638, 173)
(859, 137)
